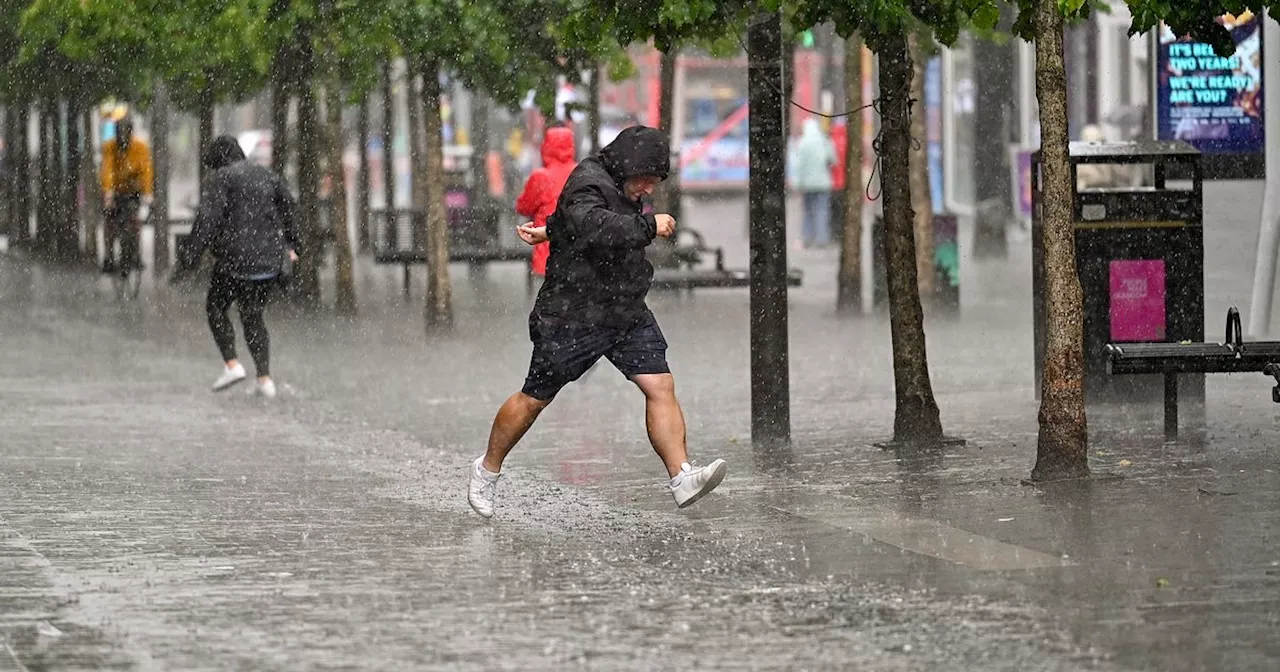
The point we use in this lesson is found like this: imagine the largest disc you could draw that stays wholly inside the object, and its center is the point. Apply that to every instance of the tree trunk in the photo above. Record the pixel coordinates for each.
(206, 111)
(390, 236)
(667, 197)
(50, 180)
(849, 282)
(593, 107)
(160, 153)
(362, 176)
(20, 225)
(916, 419)
(667, 89)
(825, 37)
(921, 196)
(480, 143)
(43, 172)
(418, 197)
(69, 229)
(439, 306)
(306, 283)
(388, 139)
(770, 368)
(6, 178)
(92, 191)
(9, 184)
(994, 76)
(1062, 448)
(280, 98)
(416, 164)
(344, 275)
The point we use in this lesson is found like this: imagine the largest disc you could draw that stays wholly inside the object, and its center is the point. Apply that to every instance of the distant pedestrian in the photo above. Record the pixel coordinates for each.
(127, 181)
(538, 200)
(246, 219)
(812, 159)
(592, 305)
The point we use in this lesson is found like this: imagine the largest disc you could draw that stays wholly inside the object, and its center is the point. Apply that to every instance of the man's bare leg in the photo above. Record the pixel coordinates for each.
(514, 419)
(663, 419)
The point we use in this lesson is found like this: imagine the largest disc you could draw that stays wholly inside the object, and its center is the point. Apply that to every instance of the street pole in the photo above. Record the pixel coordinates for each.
(770, 378)
(1264, 269)
(160, 153)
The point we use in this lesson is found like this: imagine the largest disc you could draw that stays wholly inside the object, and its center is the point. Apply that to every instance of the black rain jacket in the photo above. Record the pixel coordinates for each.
(246, 220)
(598, 273)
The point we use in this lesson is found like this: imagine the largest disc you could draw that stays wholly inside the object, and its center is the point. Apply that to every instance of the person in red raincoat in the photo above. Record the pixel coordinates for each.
(538, 200)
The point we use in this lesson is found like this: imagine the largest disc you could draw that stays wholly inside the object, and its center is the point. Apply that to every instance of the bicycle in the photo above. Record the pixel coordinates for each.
(126, 276)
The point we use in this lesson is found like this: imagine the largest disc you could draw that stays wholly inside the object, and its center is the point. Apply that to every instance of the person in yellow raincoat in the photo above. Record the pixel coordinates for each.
(126, 176)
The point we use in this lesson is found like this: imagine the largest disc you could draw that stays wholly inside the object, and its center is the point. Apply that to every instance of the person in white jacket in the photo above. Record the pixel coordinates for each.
(811, 160)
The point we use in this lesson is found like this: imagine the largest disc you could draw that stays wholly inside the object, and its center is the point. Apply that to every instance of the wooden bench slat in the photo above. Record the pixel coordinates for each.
(1144, 358)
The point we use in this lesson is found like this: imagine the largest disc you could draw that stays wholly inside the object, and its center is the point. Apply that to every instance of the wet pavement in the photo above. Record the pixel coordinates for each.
(146, 523)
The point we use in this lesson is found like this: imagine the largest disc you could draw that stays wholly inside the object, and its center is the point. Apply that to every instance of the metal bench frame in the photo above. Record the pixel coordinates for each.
(675, 266)
(1233, 355)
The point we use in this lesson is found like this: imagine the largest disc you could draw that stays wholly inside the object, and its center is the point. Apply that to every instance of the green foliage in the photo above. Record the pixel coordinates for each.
(357, 37)
(66, 46)
(1194, 18)
(876, 20)
(504, 47)
(709, 24)
(218, 45)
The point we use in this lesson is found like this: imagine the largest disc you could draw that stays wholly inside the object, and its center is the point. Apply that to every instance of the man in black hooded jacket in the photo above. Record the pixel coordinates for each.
(246, 220)
(592, 305)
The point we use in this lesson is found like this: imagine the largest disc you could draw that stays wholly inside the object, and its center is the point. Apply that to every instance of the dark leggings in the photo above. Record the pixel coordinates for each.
(121, 223)
(251, 297)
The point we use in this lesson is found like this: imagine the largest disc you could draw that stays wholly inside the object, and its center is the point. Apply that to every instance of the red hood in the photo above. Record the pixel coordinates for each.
(557, 147)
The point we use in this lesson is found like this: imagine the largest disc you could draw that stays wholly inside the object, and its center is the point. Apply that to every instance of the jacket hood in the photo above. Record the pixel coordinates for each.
(638, 150)
(557, 146)
(811, 130)
(222, 152)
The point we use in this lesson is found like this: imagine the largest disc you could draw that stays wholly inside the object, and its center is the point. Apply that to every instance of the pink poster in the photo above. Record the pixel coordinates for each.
(1137, 300)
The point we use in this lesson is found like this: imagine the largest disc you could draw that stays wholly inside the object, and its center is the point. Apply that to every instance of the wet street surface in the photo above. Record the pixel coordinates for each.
(146, 523)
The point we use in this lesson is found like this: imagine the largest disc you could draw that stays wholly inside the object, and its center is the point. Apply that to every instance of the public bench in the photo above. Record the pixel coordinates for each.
(1170, 359)
(676, 266)
(472, 238)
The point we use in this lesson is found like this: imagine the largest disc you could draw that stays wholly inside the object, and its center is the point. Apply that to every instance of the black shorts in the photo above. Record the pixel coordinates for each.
(563, 351)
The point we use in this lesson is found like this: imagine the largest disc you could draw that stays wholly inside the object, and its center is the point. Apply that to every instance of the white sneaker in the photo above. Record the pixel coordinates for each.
(482, 489)
(267, 389)
(692, 483)
(229, 377)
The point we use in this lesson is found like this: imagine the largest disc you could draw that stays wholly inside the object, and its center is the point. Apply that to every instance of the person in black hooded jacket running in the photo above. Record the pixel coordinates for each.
(592, 305)
(246, 219)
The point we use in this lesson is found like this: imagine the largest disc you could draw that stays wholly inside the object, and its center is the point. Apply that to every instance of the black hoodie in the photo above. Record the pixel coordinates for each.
(245, 216)
(598, 273)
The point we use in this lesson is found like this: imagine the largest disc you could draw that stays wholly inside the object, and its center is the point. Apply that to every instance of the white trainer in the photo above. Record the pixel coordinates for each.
(230, 376)
(691, 484)
(482, 489)
(267, 389)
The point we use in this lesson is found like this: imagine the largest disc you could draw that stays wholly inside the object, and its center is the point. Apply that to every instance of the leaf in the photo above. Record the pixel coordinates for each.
(987, 17)
(1070, 7)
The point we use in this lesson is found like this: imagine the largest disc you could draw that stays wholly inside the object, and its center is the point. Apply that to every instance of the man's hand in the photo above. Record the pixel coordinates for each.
(531, 234)
(108, 200)
(666, 225)
(293, 256)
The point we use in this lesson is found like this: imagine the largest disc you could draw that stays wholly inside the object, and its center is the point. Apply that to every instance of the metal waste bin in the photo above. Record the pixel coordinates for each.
(1140, 259)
